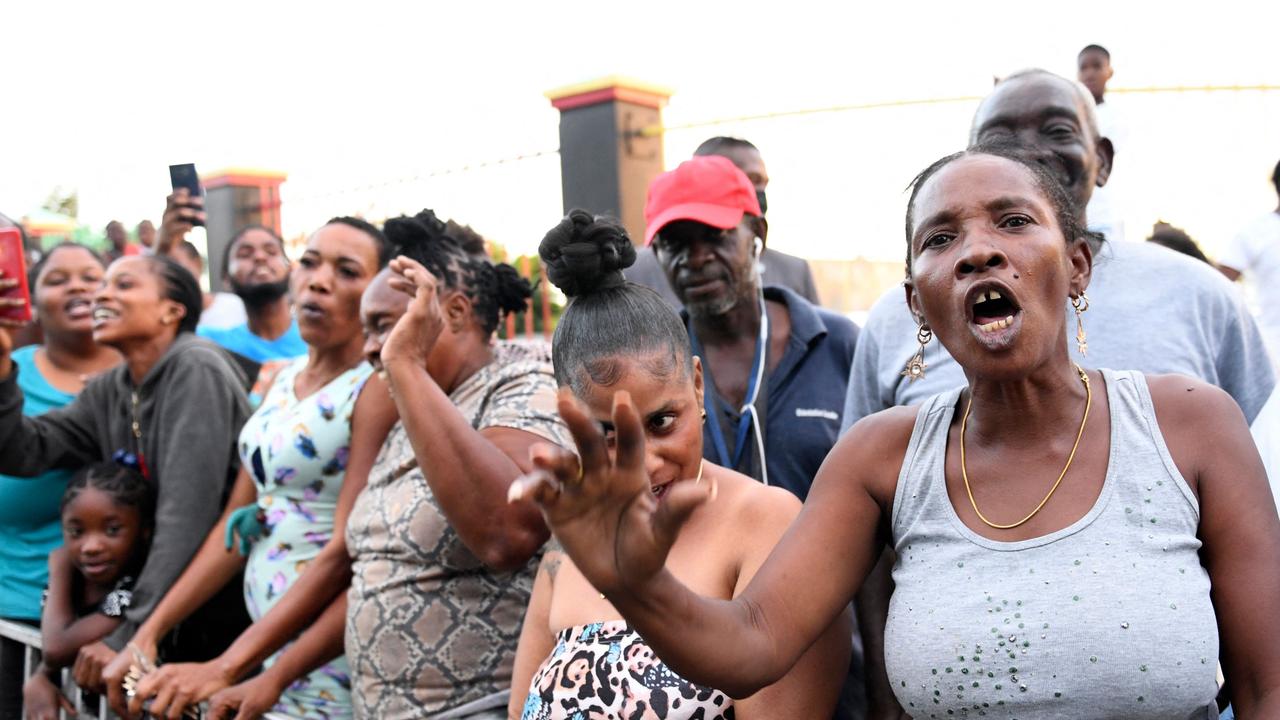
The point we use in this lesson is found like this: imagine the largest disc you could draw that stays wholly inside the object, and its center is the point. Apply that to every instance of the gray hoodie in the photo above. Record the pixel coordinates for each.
(189, 408)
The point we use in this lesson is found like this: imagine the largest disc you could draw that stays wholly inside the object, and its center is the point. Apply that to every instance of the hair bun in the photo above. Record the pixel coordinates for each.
(512, 290)
(419, 231)
(585, 253)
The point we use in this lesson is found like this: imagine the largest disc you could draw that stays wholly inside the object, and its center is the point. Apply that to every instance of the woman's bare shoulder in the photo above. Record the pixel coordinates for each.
(749, 501)
(868, 457)
(1182, 398)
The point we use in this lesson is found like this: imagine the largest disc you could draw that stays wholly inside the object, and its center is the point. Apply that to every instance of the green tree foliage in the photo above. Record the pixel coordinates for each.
(63, 201)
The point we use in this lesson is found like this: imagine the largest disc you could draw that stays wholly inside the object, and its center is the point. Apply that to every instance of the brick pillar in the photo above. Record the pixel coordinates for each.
(605, 163)
(233, 199)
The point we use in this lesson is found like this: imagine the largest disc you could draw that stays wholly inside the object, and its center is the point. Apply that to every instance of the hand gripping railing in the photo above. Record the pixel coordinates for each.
(30, 639)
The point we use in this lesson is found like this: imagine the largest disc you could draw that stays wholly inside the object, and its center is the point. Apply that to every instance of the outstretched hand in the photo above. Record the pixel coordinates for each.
(602, 509)
(416, 332)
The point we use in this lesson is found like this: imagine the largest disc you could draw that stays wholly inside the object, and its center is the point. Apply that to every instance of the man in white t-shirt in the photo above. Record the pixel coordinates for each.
(1093, 70)
(1254, 254)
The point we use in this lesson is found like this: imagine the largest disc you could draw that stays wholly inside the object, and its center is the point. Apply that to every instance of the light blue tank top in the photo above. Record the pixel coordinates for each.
(30, 523)
(1108, 618)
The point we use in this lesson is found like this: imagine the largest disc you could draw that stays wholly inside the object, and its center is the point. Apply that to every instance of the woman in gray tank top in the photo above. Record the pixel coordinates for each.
(1058, 531)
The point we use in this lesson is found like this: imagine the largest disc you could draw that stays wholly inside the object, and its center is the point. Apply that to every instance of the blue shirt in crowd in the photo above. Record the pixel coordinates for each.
(800, 401)
(240, 339)
(30, 521)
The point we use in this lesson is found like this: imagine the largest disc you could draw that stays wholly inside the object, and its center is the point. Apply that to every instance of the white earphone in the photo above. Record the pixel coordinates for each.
(758, 246)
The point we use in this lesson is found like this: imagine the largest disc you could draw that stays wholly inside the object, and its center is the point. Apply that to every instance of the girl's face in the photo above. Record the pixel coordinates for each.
(131, 304)
(669, 402)
(64, 290)
(100, 534)
(332, 274)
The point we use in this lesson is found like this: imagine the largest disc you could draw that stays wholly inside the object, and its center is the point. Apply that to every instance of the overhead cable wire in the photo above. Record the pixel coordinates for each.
(422, 176)
(655, 130)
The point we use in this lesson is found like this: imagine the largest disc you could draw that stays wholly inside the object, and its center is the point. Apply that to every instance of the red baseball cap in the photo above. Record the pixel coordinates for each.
(708, 189)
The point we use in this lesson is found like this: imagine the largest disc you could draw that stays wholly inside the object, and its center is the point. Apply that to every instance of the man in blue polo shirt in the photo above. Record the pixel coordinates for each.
(256, 268)
(776, 367)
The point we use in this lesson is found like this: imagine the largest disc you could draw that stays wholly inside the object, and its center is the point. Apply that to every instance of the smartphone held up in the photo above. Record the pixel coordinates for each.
(184, 177)
(13, 263)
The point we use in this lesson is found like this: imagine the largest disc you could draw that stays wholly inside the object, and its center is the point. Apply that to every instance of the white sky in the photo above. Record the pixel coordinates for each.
(103, 96)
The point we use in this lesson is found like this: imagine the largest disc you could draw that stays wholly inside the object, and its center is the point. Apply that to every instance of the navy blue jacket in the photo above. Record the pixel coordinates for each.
(801, 401)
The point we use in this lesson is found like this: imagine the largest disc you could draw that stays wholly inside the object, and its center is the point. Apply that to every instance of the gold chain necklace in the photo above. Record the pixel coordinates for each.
(964, 473)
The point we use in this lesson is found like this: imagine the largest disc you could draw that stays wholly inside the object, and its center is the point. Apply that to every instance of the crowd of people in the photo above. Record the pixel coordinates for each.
(1025, 487)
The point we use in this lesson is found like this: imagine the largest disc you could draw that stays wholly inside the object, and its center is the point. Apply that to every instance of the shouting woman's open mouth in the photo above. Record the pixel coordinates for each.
(994, 313)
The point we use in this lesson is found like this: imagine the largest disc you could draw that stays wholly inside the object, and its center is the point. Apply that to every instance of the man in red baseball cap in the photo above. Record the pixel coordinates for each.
(777, 267)
(775, 365)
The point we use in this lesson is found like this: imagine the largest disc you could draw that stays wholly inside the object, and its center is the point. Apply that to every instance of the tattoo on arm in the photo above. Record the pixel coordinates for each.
(552, 557)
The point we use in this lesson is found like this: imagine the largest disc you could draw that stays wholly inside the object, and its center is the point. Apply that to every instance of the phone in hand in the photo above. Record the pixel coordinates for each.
(184, 176)
(13, 261)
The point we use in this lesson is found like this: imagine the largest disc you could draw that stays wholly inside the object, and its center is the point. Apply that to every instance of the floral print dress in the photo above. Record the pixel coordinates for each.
(296, 452)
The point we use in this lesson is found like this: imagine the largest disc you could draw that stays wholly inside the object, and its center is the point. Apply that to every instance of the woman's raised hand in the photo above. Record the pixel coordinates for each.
(415, 333)
(182, 211)
(602, 509)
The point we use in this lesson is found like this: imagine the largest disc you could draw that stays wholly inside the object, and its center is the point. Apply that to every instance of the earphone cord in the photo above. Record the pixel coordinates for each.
(750, 406)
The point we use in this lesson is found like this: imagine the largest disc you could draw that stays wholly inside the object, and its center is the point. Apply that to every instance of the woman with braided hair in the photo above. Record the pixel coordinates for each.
(577, 657)
(443, 565)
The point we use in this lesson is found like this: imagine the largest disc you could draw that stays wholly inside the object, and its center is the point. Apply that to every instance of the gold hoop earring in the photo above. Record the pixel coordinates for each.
(1081, 303)
(916, 365)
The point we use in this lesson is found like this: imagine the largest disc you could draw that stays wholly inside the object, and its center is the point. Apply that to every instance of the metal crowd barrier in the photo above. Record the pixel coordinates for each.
(30, 639)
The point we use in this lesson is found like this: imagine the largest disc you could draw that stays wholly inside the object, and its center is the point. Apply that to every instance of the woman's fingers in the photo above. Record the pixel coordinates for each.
(539, 487)
(12, 302)
(677, 505)
(402, 263)
(145, 689)
(562, 464)
(179, 703)
(410, 277)
(413, 280)
(628, 433)
(6, 283)
(592, 452)
(402, 284)
(77, 669)
(159, 704)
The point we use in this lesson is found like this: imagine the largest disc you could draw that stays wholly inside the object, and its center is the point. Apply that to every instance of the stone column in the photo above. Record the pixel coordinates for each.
(606, 161)
(233, 199)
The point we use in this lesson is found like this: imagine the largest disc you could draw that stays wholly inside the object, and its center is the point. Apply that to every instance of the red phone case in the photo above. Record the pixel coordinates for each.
(13, 262)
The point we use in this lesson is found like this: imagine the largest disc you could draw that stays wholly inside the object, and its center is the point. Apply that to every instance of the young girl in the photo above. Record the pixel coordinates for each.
(107, 516)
